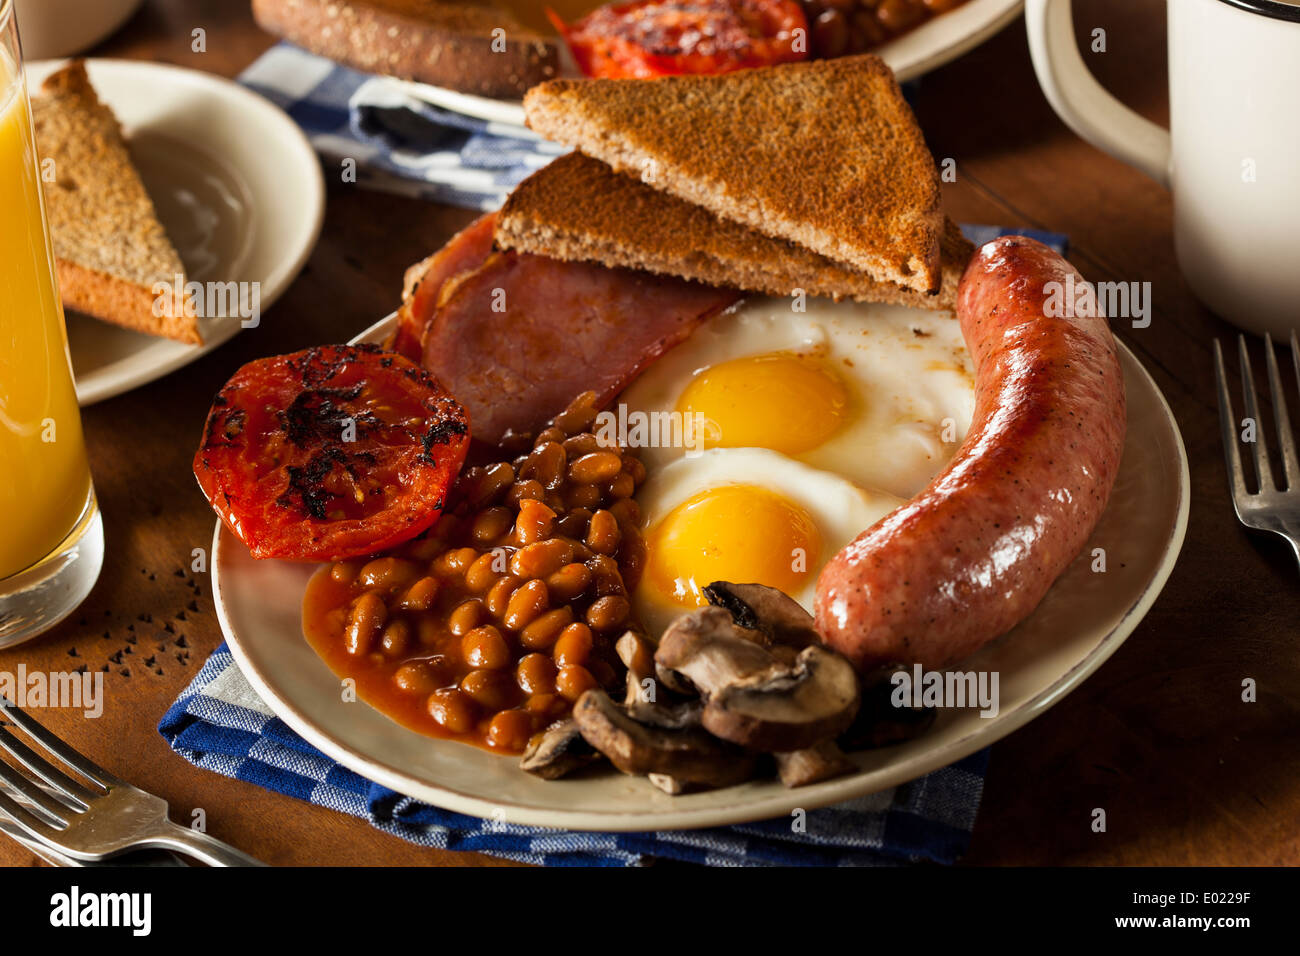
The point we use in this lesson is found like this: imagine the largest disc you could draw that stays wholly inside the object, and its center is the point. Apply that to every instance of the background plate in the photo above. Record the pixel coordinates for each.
(924, 49)
(237, 186)
(1081, 622)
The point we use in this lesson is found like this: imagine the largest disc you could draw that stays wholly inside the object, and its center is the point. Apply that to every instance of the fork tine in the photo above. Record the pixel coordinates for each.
(1263, 470)
(1290, 466)
(1228, 426)
(56, 747)
(25, 820)
(51, 810)
(1295, 357)
(73, 790)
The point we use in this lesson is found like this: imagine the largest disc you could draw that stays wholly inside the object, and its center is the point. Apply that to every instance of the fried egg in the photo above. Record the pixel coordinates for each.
(879, 395)
(774, 437)
(749, 515)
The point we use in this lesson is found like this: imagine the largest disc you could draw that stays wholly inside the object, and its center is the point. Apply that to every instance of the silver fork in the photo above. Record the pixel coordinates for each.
(89, 823)
(1269, 508)
(143, 858)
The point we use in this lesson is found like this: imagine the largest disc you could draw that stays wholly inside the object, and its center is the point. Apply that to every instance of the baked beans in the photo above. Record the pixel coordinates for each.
(488, 627)
(843, 27)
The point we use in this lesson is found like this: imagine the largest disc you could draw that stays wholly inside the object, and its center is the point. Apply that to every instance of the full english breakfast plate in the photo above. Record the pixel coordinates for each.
(679, 500)
(1082, 621)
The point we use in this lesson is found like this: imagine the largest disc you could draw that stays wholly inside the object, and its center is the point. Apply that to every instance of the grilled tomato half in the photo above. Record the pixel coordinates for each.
(330, 453)
(665, 37)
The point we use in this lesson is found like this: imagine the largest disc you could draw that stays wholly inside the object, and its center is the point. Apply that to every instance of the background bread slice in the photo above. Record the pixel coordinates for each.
(577, 208)
(109, 246)
(826, 154)
(442, 42)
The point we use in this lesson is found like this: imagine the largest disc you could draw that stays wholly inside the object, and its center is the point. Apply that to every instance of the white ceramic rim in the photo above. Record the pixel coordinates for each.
(300, 160)
(817, 795)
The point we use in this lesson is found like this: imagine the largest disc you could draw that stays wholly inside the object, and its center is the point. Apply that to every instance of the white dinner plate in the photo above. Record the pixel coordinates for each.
(1082, 621)
(926, 48)
(237, 186)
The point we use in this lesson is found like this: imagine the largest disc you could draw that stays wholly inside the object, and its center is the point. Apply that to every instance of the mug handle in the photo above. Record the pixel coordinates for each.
(1082, 102)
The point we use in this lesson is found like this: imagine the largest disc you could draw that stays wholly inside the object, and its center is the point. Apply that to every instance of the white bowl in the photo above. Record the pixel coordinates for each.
(57, 28)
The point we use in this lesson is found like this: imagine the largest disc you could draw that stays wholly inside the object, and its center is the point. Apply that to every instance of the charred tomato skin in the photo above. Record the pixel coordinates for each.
(330, 453)
(648, 38)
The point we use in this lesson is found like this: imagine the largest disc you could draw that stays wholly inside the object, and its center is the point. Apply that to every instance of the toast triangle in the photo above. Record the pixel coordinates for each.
(109, 246)
(825, 154)
(578, 209)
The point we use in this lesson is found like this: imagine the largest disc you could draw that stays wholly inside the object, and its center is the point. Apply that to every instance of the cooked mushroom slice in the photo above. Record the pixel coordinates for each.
(814, 764)
(558, 750)
(646, 700)
(636, 653)
(879, 723)
(669, 785)
(689, 755)
(702, 651)
(773, 613)
(674, 681)
(753, 698)
(787, 707)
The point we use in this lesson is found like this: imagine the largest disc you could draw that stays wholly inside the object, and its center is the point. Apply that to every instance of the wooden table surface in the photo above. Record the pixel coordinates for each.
(1159, 737)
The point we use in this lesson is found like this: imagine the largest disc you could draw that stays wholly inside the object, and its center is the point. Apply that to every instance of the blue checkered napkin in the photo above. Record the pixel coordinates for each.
(219, 723)
(982, 234)
(399, 142)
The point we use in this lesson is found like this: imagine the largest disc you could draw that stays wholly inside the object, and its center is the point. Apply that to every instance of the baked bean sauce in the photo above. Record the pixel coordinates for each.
(843, 27)
(488, 628)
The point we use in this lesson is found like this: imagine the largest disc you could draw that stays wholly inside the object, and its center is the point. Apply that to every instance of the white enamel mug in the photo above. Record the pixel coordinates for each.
(1231, 155)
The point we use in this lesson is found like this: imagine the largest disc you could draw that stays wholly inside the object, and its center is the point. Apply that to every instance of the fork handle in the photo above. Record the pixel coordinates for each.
(200, 846)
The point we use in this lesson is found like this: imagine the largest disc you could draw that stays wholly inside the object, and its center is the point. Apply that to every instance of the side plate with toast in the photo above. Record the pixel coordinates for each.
(237, 187)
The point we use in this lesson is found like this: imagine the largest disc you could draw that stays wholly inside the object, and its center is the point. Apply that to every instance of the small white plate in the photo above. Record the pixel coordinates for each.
(237, 186)
(1081, 622)
(926, 48)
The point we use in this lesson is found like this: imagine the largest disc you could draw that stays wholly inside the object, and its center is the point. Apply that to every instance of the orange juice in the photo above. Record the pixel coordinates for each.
(44, 475)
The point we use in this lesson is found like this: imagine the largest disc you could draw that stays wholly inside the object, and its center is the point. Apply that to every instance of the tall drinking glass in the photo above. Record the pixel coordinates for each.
(51, 535)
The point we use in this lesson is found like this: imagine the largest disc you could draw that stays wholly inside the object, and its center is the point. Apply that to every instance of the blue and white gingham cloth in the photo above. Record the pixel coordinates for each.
(220, 724)
(401, 143)
(398, 142)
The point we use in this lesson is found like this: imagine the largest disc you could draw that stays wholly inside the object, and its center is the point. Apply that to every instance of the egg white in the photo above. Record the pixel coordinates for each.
(908, 371)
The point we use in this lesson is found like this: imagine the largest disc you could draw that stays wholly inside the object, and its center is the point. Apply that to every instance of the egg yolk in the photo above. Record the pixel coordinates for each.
(784, 401)
(740, 533)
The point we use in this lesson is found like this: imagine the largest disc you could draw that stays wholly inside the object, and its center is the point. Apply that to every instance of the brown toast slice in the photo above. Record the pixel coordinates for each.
(447, 43)
(826, 154)
(110, 249)
(577, 208)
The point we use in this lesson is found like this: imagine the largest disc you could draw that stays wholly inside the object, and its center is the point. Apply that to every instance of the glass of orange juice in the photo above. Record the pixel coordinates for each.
(51, 534)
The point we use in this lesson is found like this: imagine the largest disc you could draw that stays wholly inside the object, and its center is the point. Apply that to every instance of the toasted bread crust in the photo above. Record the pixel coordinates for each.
(113, 299)
(577, 208)
(443, 43)
(826, 154)
(110, 249)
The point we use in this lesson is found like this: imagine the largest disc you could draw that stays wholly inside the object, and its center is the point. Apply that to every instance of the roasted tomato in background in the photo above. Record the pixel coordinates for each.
(652, 38)
(330, 453)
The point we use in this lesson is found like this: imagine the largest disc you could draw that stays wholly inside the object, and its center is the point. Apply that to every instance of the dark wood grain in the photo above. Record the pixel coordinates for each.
(1158, 737)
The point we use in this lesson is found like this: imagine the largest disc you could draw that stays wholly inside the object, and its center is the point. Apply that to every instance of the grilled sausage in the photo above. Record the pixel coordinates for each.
(974, 553)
